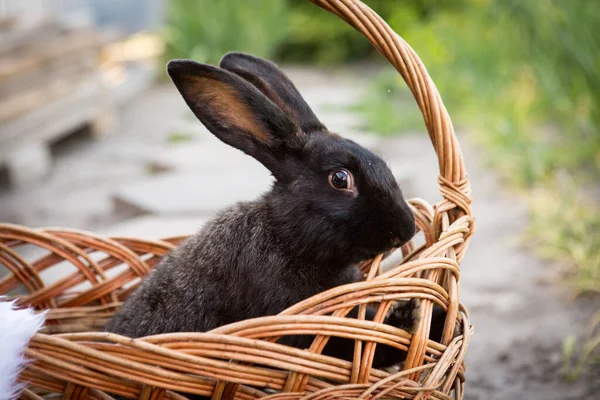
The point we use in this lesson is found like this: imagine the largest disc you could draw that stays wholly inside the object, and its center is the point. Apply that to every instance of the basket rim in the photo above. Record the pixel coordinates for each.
(448, 227)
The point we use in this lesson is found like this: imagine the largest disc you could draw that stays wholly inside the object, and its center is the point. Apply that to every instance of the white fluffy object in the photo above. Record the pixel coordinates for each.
(17, 327)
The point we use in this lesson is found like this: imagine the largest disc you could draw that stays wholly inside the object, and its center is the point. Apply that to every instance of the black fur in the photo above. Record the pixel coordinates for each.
(301, 238)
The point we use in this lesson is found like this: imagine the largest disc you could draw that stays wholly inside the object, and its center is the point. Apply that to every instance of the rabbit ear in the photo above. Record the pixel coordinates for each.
(274, 84)
(236, 112)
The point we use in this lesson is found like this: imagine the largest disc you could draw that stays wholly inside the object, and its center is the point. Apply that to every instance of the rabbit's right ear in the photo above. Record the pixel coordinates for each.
(236, 112)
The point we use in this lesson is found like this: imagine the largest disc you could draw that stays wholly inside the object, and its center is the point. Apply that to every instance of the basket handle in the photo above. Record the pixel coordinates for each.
(453, 179)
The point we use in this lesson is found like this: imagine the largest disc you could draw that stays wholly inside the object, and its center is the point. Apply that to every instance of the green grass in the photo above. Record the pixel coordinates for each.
(565, 227)
(289, 30)
(574, 359)
(204, 30)
(180, 137)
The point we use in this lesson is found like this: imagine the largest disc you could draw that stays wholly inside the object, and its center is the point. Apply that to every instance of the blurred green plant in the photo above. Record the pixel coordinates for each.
(522, 86)
(565, 227)
(288, 30)
(316, 36)
(380, 106)
(204, 30)
(574, 362)
(180, 137)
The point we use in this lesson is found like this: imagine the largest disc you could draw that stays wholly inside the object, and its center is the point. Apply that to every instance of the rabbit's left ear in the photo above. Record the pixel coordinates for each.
(274, 84)
(237, 113)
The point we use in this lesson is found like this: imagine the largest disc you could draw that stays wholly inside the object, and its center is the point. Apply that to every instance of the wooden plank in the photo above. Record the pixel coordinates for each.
(19, 36)
(24, 142)
(7, 24)
(14, 106)
(51, 121)
(59, 68)
(36, 55)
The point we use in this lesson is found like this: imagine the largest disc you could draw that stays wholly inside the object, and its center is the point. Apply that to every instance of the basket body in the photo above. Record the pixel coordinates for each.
(242, 360)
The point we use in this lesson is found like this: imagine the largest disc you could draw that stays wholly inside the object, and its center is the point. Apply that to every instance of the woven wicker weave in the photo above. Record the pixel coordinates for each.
(243, 360)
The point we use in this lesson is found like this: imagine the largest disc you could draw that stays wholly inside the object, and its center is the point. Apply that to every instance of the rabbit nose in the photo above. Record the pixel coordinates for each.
(398, 241)
(405, 229)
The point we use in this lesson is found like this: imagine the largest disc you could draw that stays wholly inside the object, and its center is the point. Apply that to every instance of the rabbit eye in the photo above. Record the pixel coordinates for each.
(341, 179)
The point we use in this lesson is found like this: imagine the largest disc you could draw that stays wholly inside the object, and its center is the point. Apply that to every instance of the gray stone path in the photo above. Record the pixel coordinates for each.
(109, 186)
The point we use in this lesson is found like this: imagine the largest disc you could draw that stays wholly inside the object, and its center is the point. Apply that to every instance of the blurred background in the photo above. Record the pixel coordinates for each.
(93, 136)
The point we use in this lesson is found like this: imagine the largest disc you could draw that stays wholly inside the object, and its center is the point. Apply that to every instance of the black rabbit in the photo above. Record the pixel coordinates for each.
(333, 204)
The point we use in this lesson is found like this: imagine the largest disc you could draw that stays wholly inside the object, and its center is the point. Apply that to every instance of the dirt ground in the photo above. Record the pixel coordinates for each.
(520, 319)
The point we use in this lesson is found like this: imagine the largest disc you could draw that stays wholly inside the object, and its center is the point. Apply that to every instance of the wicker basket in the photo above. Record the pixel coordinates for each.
(243, 360)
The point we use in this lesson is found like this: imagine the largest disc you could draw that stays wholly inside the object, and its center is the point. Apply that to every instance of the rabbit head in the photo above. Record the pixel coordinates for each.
(333, 201)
